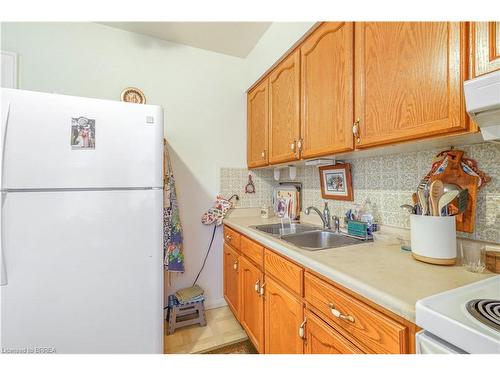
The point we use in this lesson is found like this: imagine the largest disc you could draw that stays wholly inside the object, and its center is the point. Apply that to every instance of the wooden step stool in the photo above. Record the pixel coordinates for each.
(184, 314)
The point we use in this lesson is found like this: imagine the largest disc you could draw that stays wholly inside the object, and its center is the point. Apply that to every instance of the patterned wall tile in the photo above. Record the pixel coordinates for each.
(388, 181)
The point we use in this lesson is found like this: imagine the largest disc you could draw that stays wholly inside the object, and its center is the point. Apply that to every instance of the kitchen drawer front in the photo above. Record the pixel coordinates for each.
(368, 327)
(252, 250)
(232, 237)
(286, 272)
(323, 339)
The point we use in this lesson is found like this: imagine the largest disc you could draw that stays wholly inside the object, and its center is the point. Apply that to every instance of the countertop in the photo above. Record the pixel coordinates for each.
(379, 271)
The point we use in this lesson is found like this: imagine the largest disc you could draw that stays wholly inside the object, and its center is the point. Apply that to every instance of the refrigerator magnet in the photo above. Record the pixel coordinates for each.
(82, 133)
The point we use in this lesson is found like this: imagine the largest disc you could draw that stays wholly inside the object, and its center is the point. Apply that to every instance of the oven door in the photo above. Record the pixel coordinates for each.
(427, 343)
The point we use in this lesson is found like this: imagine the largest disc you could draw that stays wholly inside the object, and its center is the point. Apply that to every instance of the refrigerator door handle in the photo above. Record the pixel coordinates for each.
(3, 135)
(3, 139)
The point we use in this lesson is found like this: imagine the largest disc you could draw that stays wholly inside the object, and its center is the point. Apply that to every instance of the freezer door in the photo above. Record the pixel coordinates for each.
(59, 141)
(84, 272)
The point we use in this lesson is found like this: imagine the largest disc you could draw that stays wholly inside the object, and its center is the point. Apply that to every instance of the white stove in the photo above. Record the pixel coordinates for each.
(462, 320)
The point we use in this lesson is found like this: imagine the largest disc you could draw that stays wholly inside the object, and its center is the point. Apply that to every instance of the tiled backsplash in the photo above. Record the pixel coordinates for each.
(388, 181)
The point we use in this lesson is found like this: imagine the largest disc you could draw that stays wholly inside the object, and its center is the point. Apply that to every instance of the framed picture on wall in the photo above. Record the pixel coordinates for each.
(336, 182)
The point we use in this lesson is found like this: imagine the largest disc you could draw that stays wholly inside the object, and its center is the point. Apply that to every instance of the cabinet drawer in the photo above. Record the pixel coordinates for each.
(322, 339)
(284, 271)
(368, 327)
(252, 250)
(232, 237)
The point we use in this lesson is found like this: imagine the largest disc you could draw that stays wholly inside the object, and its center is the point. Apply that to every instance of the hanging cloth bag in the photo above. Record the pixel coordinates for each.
(173, 254)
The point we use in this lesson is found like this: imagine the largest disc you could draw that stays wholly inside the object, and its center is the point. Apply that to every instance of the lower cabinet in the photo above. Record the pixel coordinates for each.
(283, 318)
(231, 279)
(252, 302)
(287, 309)
(320, 338)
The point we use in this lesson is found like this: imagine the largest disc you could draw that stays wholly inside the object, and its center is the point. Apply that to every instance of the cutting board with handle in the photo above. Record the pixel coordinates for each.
(454, 174)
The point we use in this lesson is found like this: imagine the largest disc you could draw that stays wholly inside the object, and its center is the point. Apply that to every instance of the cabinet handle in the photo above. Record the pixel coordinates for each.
(355, 130)
(235, 265)
(256, 287)
(339, 315)
(261, 290)
(302, 329)
(229, 238)
(299, 144)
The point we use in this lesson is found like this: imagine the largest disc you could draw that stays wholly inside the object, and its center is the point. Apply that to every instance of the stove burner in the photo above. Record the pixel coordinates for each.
(487, 311)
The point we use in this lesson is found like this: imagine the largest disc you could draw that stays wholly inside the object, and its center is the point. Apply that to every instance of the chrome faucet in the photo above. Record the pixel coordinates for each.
(325, 216)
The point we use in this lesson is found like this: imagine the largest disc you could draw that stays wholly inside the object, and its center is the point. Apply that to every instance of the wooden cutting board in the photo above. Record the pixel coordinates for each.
(454, 174)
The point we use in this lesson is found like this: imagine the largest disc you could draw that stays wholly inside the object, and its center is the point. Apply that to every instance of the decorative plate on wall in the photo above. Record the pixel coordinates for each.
(133, 95)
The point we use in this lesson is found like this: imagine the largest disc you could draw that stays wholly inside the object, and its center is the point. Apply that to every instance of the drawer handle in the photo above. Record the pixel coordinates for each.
(302, 329)
(338, 314)
(229, 238)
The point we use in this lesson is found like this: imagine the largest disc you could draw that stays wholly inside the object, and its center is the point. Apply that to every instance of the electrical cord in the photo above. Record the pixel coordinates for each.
(206, 255)
(211, 242)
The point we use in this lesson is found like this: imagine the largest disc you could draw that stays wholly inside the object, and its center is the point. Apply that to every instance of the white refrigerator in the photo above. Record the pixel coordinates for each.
(81, 225)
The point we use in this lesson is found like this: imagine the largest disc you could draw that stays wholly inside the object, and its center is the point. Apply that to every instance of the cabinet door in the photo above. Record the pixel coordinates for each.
(326, 59)
(257, 125)
(408, 80)
(284, 122)
(322, 339)
(485, 47)
(284, 315)
(231, 279)
(252, 304)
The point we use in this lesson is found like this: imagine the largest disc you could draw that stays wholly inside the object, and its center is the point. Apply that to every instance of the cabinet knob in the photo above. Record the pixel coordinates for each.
(338, 314)
(235, 265)
(292, 146)
(256, 287)
(299, 144)
(302, 329)
(263, 154)
(355, 130)
(261, 289)
(229, 238)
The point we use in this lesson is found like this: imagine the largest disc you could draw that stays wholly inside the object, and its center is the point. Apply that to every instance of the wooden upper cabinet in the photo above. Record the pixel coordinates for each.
(284, 108)
(284, 316)
(326, 59)
(252, 303)
(485, 48)
(231, 279)
(408, 80)
(257, 125)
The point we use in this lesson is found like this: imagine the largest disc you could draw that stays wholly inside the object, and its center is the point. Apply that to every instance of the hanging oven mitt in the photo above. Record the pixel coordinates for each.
(216, 214)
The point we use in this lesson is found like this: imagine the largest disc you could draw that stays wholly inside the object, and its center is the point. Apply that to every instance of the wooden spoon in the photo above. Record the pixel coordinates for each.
(436, 190)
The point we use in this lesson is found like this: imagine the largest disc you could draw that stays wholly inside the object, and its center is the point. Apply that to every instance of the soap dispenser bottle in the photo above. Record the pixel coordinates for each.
(326, 216)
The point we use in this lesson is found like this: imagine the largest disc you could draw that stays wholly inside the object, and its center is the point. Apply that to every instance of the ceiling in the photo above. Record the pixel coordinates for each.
(231, 38)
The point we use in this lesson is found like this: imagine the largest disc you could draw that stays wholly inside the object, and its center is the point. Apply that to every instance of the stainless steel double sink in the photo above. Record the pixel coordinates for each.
(309, 237)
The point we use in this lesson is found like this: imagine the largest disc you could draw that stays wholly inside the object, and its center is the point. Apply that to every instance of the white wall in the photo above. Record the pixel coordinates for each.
(202, 93)
(278, 38)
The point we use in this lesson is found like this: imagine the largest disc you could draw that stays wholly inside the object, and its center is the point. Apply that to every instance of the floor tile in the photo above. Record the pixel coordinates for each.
(222, 329)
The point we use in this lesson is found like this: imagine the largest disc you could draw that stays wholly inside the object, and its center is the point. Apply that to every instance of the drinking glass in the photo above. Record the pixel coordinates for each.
(473, 257)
